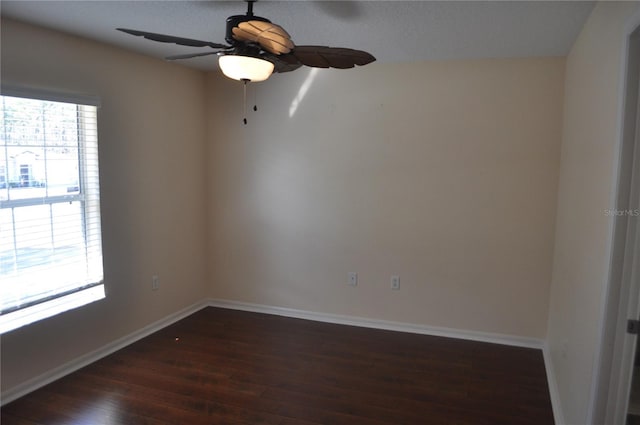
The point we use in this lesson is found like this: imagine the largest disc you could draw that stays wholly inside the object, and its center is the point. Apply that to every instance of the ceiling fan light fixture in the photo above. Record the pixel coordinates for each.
(245, 68)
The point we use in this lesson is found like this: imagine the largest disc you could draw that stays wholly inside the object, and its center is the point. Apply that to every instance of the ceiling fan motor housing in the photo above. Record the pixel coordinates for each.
(234, 21)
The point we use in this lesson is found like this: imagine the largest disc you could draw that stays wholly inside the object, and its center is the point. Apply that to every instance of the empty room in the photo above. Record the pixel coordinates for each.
(319, 212)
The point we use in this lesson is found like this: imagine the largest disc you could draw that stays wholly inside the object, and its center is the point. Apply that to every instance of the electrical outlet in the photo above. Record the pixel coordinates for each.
(353, 279)
(395, 283)
(155, 283)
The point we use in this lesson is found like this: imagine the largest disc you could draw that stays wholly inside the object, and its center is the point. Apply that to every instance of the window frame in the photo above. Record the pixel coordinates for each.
(35, 310)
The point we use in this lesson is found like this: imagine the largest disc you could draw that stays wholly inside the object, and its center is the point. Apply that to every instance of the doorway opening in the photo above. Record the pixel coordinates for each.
(616, 394)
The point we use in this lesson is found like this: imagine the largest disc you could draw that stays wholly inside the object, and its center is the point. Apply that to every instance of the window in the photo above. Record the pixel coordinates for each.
(50, 236)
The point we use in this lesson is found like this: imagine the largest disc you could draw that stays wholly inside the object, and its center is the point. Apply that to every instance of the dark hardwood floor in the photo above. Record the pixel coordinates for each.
(229, 367)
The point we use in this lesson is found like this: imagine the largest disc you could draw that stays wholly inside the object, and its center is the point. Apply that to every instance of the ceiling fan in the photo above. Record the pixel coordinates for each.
(257, 48)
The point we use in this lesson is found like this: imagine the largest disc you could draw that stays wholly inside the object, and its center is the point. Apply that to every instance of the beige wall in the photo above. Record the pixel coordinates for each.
(587, 174)
(152, 133)
(444, 173)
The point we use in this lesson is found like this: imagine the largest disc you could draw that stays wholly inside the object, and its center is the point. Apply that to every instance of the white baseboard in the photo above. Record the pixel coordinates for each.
(558, 416)
(46, 378)
(495, 338)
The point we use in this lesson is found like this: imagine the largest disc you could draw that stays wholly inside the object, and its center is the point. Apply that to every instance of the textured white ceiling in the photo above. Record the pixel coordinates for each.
(393, 31)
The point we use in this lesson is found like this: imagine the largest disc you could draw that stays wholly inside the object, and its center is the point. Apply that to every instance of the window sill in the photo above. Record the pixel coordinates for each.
(23, 317)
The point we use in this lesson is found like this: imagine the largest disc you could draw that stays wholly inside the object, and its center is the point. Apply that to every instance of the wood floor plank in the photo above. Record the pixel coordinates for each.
(221, 366)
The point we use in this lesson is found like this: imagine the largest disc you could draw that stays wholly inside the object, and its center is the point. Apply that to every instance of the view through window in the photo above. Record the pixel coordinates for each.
(50, 236)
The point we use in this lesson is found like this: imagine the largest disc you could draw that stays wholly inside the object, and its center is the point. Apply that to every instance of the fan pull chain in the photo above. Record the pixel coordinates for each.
(255, 99)
(244, 101)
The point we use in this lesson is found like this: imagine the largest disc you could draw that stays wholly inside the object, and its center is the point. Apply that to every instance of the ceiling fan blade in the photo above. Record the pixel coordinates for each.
(171, 39)
(328, 57)
(280, 65)
(192, 55)
(271, 37)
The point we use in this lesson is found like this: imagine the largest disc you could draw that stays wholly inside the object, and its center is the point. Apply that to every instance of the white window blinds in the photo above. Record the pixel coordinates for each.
(50, 235)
